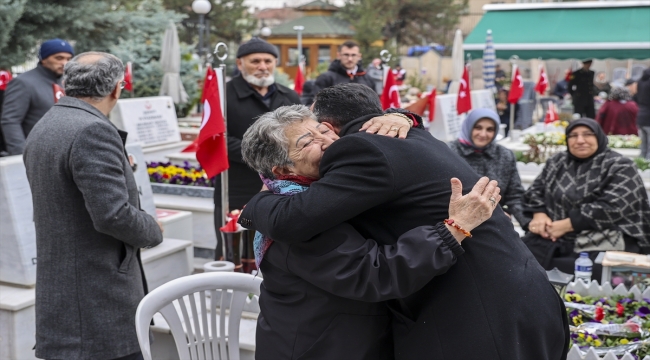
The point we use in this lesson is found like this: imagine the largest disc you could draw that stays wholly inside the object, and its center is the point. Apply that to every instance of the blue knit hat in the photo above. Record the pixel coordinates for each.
(54, 46)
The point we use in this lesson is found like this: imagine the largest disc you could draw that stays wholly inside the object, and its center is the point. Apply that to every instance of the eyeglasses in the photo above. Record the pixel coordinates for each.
(584, 135)
(122, 84)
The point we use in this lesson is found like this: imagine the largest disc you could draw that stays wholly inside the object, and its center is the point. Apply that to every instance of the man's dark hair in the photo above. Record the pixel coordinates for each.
(342, 103)
(348, 44)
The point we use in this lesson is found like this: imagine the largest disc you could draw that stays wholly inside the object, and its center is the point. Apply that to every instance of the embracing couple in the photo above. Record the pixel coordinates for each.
(370, 250)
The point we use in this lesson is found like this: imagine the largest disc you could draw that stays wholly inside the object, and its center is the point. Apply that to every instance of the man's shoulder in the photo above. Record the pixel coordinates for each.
(285, 91)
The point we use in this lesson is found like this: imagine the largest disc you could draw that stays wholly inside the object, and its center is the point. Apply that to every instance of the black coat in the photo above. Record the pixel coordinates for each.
(494, 303)
(243, 106)
(300, 317)
(337, 74)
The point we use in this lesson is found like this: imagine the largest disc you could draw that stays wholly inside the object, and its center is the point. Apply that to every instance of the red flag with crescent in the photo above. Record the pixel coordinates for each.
(128, 77)
(390, 95)
(58, 92)
(464, 99)
(516, 87)
(542, 83)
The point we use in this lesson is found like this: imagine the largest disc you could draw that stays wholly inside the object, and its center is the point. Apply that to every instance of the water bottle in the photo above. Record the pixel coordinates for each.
(583, 268)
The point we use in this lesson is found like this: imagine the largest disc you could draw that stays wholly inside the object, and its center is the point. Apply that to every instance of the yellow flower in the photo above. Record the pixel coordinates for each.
(589, 338)
(597, 343)
(581, 335)
(624, 341)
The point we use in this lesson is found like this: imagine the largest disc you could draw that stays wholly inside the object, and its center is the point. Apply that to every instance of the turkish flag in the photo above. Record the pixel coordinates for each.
(551, 113)
(299, 81)
(516, 87)
(464, 99)
(128, 77)
(211, 143)
(210, 75)
(58, 92)
(432, 104)
(390, 95)
(5, 77)
(542, 83)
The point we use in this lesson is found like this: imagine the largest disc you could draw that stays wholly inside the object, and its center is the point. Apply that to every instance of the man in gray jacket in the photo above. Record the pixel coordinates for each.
(29, 96)
(89, 225)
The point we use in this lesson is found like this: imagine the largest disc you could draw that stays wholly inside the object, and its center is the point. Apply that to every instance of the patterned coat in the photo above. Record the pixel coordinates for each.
(604, 193)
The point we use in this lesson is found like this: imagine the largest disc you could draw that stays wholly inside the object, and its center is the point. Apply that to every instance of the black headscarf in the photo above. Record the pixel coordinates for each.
(595, 127)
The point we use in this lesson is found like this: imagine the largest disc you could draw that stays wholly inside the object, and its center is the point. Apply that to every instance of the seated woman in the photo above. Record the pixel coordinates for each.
(477, 146)
(325, 298)
(587, 199)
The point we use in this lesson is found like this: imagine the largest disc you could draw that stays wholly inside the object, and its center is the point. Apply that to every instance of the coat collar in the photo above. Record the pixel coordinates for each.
(74, 103)
(354, 125)
(490, 150)
(47, 73)
(243, 90)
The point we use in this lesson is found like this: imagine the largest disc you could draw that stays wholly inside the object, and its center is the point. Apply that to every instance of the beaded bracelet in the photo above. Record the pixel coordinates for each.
(410, 121)
(451, 222)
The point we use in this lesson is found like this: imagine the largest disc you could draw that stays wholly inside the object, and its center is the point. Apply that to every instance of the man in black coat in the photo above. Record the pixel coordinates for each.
(495, 303)
(345, 69)
(250, 94)
(581, 88)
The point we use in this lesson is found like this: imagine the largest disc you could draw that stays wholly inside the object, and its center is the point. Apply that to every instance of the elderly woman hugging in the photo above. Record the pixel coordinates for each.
(326, 298)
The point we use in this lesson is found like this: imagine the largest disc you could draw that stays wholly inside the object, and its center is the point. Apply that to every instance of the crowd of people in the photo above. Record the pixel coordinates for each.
(376, 240)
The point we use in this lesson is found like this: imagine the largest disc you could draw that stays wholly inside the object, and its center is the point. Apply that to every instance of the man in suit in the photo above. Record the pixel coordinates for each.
(496, 298)
(581, 88)
(89, 225)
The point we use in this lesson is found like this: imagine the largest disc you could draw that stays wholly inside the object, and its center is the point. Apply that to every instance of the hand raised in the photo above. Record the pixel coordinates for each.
(471, 210)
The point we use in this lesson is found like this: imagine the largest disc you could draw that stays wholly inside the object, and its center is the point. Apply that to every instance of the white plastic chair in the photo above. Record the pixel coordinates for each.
(207, 329)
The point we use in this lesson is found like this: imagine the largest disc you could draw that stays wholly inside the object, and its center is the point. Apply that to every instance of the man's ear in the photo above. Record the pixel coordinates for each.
(239, 64)
(329, 126)
(281, 170)
(115, 94)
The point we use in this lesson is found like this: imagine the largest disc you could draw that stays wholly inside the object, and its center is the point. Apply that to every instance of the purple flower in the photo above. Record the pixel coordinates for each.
(574, 312)
(643, 311)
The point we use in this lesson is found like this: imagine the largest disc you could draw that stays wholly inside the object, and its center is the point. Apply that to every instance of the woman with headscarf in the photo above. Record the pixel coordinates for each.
(618, 114)
(587, 199)
(476, 144)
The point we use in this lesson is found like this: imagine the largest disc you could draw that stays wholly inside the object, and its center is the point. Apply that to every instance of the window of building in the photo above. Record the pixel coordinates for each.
(293, 56)
(324, 54)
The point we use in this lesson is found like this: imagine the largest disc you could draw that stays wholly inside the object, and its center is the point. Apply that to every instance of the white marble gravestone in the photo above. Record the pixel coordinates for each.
(483, 99)
(446, 122)
(141, 178)
(17, 234)
(149, 121)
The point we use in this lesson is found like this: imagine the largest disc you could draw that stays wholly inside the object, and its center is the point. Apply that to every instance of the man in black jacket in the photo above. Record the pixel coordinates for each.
(250, 94)
(495, 303)
(345, 69)
(581, 88)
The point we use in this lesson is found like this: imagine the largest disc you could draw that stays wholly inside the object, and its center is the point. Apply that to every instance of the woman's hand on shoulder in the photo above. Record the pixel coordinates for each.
(393, 125)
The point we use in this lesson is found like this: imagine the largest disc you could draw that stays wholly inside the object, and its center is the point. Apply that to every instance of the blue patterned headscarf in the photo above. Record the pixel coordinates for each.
(472, 118)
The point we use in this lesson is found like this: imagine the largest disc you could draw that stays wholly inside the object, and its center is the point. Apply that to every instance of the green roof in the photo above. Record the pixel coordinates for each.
(565, 31)
(318, 5)
(315, 26)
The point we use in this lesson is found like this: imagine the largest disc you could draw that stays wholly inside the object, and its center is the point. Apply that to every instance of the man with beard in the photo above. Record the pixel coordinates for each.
(345, 69)
(29, 96)
(250, 94)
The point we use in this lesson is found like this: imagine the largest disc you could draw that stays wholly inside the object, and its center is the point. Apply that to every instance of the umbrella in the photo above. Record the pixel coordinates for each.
(458, 56)
(170, 60)
(489, 60)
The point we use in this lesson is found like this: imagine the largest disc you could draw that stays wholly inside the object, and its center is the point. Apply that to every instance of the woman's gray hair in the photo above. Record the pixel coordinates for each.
(92, 79)
(265, 144)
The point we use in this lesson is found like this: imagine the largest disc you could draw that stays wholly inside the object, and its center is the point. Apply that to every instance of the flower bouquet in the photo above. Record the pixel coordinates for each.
(168, 173)
(617, 324)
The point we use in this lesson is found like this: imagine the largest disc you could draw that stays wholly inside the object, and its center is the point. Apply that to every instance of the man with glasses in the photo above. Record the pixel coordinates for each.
(345, 69)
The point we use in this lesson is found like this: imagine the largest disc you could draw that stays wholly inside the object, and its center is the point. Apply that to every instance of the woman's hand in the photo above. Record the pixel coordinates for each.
(471, 210)
(389, 125)
(539, 223)
(557, 229)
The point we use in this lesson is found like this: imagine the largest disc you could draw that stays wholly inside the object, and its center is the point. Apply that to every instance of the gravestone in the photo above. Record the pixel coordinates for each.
(141, 178)
(483, 99)
(446, 122)
(149, 121)
(18, 238)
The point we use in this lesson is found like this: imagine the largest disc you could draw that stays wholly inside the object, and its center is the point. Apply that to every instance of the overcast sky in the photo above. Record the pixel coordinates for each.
(279, 3)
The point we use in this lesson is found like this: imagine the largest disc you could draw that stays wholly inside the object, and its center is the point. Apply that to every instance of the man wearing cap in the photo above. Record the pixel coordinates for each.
(29, 96)
(250, 94)
(581, 88)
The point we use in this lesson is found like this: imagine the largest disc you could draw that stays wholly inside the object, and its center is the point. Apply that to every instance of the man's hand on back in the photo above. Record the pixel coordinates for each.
(471, 210)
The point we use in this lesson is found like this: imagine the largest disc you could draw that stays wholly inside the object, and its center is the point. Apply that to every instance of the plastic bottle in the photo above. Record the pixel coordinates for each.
(583, 268)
